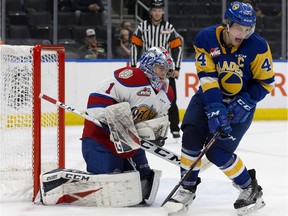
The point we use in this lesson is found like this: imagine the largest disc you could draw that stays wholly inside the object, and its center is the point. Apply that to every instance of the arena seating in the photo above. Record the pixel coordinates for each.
(190, 16)
(29, 21)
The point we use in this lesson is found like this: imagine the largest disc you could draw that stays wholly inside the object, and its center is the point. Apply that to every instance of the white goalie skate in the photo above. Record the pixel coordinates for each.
(250, 198)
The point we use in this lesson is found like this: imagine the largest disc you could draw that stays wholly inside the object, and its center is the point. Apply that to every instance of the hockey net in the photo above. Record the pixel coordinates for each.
(32, 131)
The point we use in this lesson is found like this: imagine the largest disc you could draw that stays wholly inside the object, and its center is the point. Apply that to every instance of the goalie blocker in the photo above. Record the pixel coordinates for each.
(107, 190)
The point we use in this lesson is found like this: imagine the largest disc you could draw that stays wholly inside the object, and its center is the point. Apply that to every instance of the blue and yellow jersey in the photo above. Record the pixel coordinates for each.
(225, 72)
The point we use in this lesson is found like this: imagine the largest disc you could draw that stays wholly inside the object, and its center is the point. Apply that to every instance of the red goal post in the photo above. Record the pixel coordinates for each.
(32, 131)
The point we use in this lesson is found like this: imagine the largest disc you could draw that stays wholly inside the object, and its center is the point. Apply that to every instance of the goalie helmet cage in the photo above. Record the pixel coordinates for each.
(32, 132)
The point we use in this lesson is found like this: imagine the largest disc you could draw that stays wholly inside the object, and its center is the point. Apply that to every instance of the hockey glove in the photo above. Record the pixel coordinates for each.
(240, 107)
(217, 118)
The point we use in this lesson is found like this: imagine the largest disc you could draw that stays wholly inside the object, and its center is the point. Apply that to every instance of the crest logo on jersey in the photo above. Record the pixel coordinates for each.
(215, 52)
(230, 82)
(126, 74)
(165, 31)
(229, 78)
(143, 113)
(144, 92)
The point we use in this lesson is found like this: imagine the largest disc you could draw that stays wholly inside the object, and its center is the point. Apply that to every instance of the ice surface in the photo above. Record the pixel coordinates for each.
(265, 148)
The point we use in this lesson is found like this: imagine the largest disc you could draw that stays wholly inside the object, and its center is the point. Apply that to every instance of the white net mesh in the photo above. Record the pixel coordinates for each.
(16, 105)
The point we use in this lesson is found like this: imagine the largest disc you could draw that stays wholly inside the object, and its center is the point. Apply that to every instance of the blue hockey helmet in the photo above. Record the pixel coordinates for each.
(152, 57)
(242, 14)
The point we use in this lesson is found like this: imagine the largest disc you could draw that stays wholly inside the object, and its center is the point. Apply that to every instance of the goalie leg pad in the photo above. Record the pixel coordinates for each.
(81, 188)
(150, 189)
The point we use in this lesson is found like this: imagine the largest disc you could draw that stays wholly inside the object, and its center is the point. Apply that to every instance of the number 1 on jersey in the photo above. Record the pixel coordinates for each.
(108, 91)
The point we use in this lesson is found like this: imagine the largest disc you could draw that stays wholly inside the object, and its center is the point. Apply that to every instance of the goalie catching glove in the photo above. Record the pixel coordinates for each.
(154, 130)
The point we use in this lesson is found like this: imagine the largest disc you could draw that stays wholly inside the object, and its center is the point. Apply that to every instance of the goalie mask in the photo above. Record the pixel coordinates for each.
(242, 14)
(155, 59)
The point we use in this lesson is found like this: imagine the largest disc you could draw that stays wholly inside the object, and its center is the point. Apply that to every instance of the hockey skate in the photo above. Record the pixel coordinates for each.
(180, 201)
(250, 198)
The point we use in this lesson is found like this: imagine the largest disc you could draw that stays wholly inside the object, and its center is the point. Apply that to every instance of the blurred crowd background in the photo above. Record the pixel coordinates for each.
(107, 25)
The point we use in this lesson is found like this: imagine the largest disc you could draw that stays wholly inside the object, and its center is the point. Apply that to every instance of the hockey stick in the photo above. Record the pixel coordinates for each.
(203, 152)
(145, 144)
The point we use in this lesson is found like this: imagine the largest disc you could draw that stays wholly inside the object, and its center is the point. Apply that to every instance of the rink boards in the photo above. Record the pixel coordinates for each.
(83, 77)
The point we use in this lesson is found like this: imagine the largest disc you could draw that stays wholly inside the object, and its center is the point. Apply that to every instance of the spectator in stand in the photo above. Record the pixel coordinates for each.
(91, 49)
(127, 25)
(164, 35)
(89, 6)
(123, 49)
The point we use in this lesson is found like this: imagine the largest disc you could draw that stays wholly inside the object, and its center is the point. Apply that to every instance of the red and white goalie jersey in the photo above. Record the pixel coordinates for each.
(128, 85)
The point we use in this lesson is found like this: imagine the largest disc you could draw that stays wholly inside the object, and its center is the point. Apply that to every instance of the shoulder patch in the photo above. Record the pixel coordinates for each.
(131, 77)
(126, 74)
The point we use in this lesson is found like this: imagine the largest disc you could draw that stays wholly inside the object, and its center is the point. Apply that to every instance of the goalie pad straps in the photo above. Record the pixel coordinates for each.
(152, 187)
(122, 130)
(81, 188)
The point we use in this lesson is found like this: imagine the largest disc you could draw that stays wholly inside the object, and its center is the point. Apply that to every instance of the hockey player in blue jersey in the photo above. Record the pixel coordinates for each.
(234, 67)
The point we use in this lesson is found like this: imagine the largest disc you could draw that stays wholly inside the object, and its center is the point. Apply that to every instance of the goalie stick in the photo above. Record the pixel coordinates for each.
(145, 145)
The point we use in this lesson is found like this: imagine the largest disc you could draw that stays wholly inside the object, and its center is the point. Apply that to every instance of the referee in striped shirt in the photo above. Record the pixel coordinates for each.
(158, 32)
